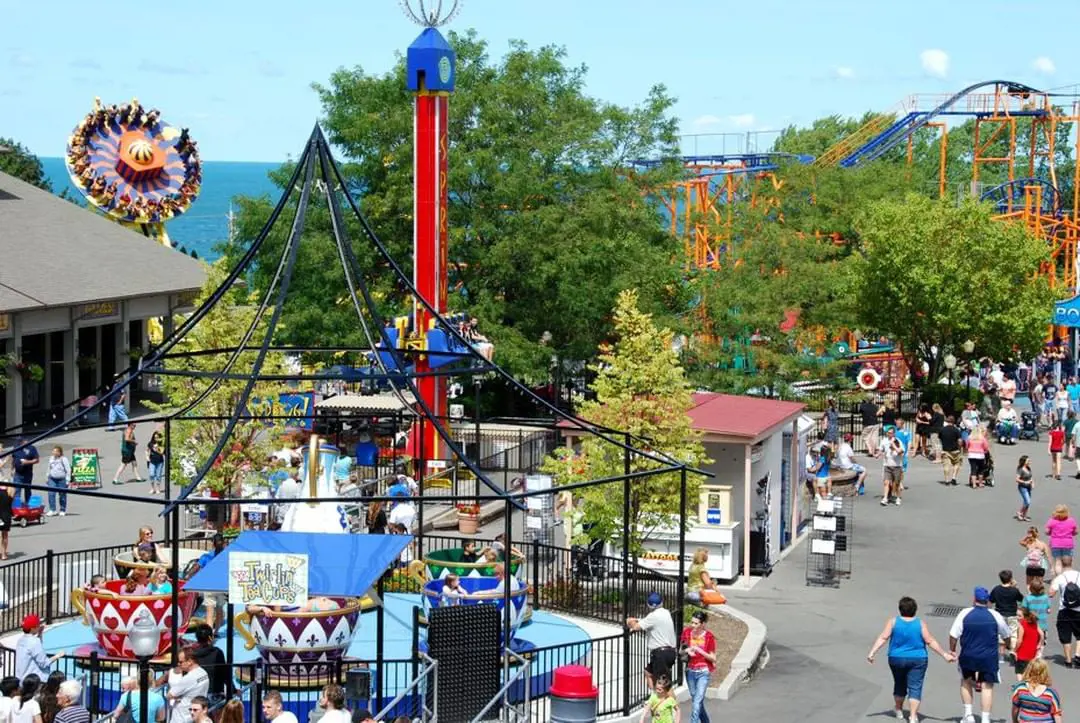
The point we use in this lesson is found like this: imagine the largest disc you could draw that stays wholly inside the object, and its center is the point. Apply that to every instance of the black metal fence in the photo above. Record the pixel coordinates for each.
(581, 582)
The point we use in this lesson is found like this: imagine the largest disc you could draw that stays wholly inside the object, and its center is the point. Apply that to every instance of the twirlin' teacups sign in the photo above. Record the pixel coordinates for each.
(268, 578)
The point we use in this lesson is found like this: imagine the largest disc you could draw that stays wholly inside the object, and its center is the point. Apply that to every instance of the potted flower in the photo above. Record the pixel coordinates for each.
(468, 517)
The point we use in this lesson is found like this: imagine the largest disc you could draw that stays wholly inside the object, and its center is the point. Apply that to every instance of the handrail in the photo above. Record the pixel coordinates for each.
(504, 692)
(430, 668)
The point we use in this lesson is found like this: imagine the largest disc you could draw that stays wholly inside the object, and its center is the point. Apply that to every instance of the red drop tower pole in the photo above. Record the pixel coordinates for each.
(430, 69)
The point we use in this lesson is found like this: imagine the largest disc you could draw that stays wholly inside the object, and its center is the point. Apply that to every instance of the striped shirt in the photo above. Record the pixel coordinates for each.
(1033, 708)
(1040, 605)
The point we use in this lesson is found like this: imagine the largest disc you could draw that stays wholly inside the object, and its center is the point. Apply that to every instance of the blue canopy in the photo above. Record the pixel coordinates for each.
(345, 565)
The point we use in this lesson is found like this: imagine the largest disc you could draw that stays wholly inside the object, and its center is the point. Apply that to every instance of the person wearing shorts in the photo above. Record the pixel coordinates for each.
(1062, 529)
(1068, 618)
(892, 453)
(951, 454)
(978, 631)
(660, 641)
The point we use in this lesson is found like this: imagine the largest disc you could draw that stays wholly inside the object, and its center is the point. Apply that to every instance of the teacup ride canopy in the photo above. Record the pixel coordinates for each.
(134, 167)
(339, 566)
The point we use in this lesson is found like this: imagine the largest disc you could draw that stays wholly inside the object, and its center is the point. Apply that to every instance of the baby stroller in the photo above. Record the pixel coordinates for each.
(1029, 426)
(988, 469)
(24, 514)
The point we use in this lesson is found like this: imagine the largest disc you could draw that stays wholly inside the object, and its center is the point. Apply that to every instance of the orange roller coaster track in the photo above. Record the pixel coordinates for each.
(1018, 156)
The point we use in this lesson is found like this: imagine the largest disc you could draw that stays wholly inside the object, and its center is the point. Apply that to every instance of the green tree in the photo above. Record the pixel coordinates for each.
(933, 274)
(641, 390)
(16, 160)
(546, 227)
(772, 309)
(193, 441)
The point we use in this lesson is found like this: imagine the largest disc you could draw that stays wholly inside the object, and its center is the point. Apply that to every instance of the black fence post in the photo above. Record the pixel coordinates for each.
(50, 578)
(95, 684)
(681, 583)
(626, 577)
(536, 573)
(416, 655)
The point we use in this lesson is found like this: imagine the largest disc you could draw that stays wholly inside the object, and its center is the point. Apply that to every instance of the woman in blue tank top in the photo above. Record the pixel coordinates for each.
(908, 639)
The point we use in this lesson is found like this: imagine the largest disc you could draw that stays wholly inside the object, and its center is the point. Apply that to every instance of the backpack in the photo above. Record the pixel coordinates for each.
(1034, 558)
(1071, 595)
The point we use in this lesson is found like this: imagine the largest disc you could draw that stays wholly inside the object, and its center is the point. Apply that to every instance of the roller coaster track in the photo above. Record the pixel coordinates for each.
(888, 130)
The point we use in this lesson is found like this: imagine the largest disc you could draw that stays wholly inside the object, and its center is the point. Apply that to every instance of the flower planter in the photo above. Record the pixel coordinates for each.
(467, 524)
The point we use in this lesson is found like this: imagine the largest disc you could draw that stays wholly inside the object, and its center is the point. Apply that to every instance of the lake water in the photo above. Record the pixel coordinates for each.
(206, 223)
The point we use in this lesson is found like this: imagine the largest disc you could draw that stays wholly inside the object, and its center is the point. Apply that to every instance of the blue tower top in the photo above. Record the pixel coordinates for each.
(429, 63)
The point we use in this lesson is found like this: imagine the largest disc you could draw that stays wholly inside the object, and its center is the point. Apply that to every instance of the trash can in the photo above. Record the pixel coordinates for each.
(573, 695)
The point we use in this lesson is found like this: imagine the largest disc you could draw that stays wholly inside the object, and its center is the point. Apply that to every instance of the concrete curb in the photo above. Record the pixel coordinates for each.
(753, 655)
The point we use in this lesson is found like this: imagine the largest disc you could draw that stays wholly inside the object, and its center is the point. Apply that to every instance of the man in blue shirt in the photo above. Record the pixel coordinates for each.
(30, 654)
(23, 462)
(978, 630)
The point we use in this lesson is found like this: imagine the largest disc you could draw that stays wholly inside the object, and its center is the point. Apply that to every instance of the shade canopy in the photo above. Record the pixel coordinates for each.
(339, 565)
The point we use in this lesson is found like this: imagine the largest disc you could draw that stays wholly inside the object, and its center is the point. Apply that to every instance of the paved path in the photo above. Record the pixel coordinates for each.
(91, 522)
(937, 547)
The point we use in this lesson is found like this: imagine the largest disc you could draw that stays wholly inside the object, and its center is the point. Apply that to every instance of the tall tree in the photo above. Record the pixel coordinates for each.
(640, 389)
(193, 441)
(16, 160)
(546, 226)
(933, 274)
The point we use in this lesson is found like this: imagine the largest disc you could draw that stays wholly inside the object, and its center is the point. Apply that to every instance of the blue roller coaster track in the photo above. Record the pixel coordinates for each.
(906, 126)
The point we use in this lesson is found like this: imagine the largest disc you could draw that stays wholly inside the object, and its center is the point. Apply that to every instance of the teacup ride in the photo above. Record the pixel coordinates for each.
(437, 564)
(111, 615)
(440, 563)
(125, 562)
(484, 591)
(301, 649)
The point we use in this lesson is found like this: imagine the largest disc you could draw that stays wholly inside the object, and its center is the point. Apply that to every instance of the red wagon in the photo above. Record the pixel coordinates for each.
(25, 514)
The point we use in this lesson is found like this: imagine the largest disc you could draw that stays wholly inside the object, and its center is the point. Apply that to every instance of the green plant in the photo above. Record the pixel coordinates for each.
(561, 593)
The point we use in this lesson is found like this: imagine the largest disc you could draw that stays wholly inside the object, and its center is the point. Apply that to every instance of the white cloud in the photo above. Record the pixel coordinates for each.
(743, 120)
(707, 121)
(1044, 65)
(844, 71)
(935, 62)
(22, 60)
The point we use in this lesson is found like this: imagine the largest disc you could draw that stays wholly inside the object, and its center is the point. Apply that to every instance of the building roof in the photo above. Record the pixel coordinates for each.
(746, 418)
(58, 254)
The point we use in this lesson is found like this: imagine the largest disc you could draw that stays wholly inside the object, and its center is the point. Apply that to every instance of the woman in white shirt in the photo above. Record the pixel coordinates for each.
(28, 710)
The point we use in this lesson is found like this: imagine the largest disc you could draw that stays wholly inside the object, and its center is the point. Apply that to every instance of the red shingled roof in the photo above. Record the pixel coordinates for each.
(735, 416)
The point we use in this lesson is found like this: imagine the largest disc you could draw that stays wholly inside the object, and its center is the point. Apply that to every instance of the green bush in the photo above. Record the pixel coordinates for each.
(944, 395)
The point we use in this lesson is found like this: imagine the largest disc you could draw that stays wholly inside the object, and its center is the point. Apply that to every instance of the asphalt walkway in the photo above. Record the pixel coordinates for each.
(937, 547)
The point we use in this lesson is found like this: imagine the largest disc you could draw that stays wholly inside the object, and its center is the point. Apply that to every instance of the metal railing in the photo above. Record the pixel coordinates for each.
(512, 710)
(581, 582)
(428, 714)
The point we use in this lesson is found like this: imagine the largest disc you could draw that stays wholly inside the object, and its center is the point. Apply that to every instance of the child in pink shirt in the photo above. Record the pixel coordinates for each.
(1061, 528)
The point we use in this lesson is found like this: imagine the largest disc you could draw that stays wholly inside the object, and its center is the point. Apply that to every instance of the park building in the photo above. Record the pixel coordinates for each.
(77, 293)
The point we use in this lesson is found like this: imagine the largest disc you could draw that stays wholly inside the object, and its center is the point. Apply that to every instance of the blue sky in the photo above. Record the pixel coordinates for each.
(238, 72)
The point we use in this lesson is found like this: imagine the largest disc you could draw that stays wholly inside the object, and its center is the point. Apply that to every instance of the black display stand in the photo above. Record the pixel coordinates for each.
(829, 543)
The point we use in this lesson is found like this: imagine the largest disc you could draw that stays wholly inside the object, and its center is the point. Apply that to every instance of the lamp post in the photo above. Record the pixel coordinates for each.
(144, 636)
(950, 364)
